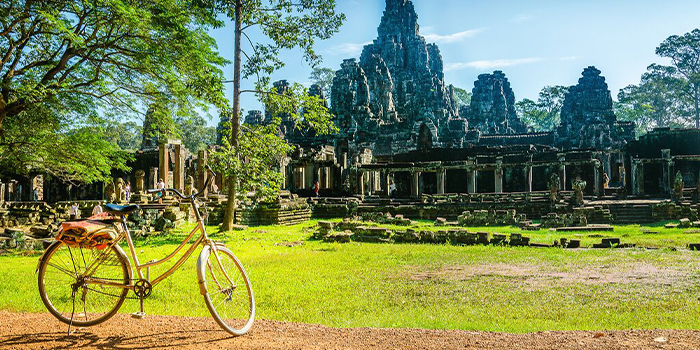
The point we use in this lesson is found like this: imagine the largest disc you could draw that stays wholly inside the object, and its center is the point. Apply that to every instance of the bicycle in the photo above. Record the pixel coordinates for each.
(101, 279)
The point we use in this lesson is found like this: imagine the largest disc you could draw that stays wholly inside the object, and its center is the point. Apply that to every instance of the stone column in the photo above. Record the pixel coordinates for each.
(415, 192)
(441, 175)
(528, 169)
(666, 169)
(562, 172)
(387, 176)
(597, 179)
(178, 168)
(2, 192)
(498, 178)
(152, 178)
(361, 185)
(163, 163)
(202, 173)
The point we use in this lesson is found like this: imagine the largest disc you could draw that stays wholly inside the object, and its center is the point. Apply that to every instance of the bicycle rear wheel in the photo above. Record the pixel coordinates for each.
(71, 300)
(226, 290)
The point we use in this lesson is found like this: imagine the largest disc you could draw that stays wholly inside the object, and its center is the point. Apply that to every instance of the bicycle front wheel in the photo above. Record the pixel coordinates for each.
(226, 290)
(66, 295)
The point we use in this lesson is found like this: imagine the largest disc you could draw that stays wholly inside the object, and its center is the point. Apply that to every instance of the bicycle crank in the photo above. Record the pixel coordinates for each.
(142, 289)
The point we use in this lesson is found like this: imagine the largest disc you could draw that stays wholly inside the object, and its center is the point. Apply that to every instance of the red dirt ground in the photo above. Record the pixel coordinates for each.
(42, 331)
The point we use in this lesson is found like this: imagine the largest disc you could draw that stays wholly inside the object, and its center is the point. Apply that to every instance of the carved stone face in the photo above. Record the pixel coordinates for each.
(120, 181)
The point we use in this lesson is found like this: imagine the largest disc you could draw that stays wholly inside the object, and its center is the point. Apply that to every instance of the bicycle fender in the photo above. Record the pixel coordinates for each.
(201, 263)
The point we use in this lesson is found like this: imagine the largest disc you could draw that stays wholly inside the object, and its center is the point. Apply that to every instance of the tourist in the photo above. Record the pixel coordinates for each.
(392, 189)
(161, 187)
(316, 188)
(127, 190)
(35, 195)
(73, 211)
(97, 209)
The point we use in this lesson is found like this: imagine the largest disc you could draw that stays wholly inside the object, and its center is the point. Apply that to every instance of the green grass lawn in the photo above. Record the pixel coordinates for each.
(480, 288)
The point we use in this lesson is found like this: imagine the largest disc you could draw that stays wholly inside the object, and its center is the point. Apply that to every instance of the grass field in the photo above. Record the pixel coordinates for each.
(481, 288)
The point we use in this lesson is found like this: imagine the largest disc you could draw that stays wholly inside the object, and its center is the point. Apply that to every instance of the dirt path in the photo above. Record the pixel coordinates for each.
(41, 331)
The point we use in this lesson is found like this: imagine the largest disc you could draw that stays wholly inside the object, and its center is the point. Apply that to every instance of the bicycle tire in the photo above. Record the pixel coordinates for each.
(116, 268)
(233, 316)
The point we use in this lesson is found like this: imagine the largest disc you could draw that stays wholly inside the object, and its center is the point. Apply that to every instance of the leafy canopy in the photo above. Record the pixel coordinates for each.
(545, 113)
(68, 66)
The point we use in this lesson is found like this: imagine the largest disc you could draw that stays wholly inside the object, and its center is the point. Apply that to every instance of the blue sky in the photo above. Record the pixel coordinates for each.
(534, 42)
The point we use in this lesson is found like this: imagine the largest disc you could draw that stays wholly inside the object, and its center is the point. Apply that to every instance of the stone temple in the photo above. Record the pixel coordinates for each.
(407, 147)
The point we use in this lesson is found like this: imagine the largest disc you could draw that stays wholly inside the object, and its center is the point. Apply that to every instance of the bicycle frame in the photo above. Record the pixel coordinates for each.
(203, 239)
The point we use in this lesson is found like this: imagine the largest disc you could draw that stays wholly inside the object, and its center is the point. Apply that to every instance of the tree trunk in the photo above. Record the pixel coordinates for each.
(696, 97)
(232, 181)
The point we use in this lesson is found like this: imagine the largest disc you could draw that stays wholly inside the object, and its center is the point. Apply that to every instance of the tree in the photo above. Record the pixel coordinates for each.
(684, 52)
(464, 97)
(67, 66)
(127, 135)
(323, 77)
(544, 114)
(660, 100)
(195, 133)
(287, 25)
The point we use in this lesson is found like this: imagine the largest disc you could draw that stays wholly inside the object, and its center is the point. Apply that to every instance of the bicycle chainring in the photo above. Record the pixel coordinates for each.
(143, 289)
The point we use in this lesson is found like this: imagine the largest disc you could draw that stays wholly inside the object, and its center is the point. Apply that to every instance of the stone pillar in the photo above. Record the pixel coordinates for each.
(441, 175)
(163, 163)
(666, 169)
(498, 175)
(302, 178)
(361, 184)
(2, 192)
(528, 169)
(152, 177)
(637, 178)
(178, 167)
(562, 172)
(597, 179)
(138, 184)
(387, 176)
(202, 173)
(415, 191)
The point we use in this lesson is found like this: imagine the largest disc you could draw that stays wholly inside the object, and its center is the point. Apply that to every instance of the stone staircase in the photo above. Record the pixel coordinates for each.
(625, 213)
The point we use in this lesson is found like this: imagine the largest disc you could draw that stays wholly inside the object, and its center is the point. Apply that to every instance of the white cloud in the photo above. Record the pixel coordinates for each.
(452, 38)
(491, 64)
(523, 17)
(348, 49)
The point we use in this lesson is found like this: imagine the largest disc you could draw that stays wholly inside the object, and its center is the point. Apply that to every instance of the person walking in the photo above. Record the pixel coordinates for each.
(392, 189)
(73, 211)
(316, 188)
(161, 187)
(127, 191)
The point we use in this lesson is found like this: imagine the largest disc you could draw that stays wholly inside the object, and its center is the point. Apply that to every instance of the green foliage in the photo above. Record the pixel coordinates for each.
(63, 60)
(660, 100)
(545, 114)
(127, 136)
(684, 52)
(323, 77)
(195, 133)
(286, 25)
(255, 162)
(463, 97)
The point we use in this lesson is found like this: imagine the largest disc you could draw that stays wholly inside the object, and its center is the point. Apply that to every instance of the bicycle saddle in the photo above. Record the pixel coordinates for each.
(121, 209)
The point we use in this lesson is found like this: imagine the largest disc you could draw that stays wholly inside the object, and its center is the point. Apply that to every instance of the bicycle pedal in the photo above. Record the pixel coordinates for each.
(138, 315)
